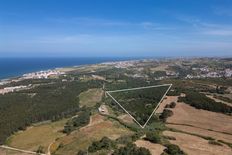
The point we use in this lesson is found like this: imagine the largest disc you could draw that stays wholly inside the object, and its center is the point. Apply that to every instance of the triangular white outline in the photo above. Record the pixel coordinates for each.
(121, 90)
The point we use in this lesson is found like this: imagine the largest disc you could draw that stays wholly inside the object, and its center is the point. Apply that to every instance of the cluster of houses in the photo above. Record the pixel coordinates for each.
(206, 73)
(42, 74)
(13, 89)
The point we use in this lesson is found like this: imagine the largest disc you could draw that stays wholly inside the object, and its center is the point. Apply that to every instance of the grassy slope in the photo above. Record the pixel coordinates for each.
(90, 97)
(35, 136)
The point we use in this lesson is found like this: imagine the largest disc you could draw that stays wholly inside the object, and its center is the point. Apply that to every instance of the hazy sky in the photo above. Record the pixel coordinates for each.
(103, 28)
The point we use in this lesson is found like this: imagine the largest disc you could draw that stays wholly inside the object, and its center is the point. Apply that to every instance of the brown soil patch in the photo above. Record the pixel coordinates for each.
(185, 114)
(166, 101)
(126, 118)
(95, 119)
(155, 149)
(193, 145)
(81, 139)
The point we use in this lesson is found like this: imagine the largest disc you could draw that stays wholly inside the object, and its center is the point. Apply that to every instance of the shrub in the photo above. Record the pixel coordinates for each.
(213, 142)
(104, 143)
(172, 149)
(153, 137)
(165, 114)
(82, 153)
(131, 149)
(172, 104)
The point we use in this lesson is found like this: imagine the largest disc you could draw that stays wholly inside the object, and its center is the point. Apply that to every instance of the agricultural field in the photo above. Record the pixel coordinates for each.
(195, 145)
(35, 136)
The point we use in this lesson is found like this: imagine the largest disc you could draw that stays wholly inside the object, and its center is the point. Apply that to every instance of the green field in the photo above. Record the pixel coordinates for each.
(90, 97)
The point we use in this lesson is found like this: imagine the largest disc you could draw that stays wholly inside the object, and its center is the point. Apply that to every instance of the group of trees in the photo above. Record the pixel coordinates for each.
(78, 121)
(200, 101)
(131, 149)
(165, 114)
(46, 101)
(104, 143)
(171, 105)
(107, 144)
(172, 149)
(153, 137)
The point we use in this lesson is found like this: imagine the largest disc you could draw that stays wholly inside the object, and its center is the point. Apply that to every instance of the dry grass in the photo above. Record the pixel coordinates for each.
(11, 152)
(167, 100)
(90, 97)
(161, 67)
(80, 140)
(155, 149)
(185, 114)
(35, 136)
(199, 122)
(126, 118)
(193, 145)
(199, 131)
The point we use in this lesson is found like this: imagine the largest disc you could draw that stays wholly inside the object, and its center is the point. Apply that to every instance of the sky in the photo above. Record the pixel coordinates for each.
(115, 28)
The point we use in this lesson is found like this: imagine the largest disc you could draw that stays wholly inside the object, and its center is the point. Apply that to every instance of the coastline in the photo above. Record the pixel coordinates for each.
(65, 69)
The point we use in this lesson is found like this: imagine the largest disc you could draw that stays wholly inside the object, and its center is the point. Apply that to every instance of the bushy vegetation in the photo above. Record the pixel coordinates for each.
(171, 105)
(50, 101)
(104, 143)
(131, 149)
(226, 99)
(82, 153)
(172, 149)
(165, 114)
(129, 139)
(153, 137)
(200, 101)
(80, 120)
(213, 142)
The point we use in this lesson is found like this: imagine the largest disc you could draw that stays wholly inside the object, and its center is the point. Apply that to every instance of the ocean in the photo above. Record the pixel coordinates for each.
(14, 67)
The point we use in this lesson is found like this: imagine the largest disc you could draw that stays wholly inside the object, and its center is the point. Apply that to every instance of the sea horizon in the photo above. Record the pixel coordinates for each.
(12, 67)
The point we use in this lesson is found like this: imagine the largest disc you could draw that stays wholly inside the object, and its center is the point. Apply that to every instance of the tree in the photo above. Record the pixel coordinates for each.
(131, 149)
(172, 149)
(165, 114)
(153, 137)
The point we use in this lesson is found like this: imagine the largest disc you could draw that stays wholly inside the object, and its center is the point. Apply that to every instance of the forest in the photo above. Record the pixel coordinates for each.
(200, 101)
(51, 101)
(144, 101)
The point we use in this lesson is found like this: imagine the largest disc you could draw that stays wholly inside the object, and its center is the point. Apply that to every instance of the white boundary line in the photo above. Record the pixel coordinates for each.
(19, 150)
(121, 90)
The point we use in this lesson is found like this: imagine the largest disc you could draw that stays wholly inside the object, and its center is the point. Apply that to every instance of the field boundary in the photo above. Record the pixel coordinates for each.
(20, 150)
(138, 88)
